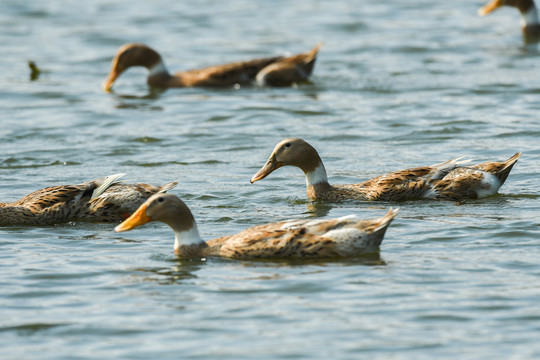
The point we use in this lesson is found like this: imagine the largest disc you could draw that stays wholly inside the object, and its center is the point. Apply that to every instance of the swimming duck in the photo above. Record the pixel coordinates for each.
(449, 180)
(272, 71)
(101, 200)
(319, 238)
(530, 23)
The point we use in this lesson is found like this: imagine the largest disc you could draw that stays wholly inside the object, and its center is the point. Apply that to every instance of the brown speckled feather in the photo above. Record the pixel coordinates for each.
(57, 204)
(311, 238)
(305, 239)
(46, 206)
(120, 200)
(396, 186)
(501, 169)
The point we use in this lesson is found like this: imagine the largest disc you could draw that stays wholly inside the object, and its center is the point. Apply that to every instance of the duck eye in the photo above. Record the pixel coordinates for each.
(288, 145)
(160, 199)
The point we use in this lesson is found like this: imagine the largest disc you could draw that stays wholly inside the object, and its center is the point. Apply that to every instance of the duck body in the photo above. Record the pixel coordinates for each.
(272, 71)
(319, 238)
(100, 200)
(450, 180)
(530, 22)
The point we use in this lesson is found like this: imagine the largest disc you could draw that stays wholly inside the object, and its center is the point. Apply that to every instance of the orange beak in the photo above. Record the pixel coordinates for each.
(139, 217)
(107, 85)
(271, 165)
(491, 6)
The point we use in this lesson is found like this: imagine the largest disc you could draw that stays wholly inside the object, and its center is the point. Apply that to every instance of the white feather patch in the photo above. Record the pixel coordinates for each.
(260, 79)
(430, 194)
(453, 162)
(347, 217)
(317, 176)
(344, 235)
(108, 181)
(295, 224)
(490, 185)
(190, 237)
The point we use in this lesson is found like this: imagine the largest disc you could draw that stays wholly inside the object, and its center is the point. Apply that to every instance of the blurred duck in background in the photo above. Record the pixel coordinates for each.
(272, 71)
(530, 24)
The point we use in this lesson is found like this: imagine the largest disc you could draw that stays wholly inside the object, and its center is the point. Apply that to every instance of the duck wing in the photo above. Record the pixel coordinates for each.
(53, 204)
(341, 237)
(241, 72)
(120, 200)
(289, 70)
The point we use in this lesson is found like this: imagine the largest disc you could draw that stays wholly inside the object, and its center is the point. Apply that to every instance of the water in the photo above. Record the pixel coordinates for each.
(398, 84)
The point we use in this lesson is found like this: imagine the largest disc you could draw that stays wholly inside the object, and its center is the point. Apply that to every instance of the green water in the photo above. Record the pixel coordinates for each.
(397, 84)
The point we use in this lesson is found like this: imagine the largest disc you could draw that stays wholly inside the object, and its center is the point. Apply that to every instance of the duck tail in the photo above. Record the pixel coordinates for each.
(312, 54)
(502, 174)
(377, 229)
(309, 59)
(104, 183)
(167, 187)
(385, 221)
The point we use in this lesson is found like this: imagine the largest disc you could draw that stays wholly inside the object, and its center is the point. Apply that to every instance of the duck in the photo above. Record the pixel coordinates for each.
(301, 239)
(450, 180)
(101, 200)
(271, 71)
(530, 23)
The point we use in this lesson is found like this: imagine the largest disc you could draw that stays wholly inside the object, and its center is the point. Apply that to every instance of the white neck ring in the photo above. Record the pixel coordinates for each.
(189, 237)
(157, 69)
(317, 176)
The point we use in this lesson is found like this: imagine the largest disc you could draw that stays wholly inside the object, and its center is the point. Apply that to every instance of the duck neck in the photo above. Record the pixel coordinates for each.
(188, 241)
(316, 181)
(158, 75)
(529, 16)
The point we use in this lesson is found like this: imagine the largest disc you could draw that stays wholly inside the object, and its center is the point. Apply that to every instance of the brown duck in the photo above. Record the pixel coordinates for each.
(450, 180)
(530, 23)
(311, 238)
(272, 71)
(101, 200)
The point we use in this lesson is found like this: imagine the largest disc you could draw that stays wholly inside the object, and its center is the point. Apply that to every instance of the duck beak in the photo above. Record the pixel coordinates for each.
(107, 85)
(491, 6)
(139, 217)
(271, 165)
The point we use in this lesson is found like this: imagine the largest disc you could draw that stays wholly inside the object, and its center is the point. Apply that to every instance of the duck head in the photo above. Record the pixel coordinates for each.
(167, 208)
(294, 152)
(133, 55)
(522, 5)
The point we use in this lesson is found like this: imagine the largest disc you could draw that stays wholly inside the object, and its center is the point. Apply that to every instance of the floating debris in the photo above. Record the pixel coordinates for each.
(34, 70)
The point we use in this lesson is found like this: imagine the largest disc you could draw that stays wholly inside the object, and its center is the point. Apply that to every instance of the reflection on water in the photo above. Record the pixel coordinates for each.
(181, 271)
(30, 329)
(318, 209)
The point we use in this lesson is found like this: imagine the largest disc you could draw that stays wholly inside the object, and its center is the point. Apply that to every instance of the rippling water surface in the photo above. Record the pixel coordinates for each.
(398, 83)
